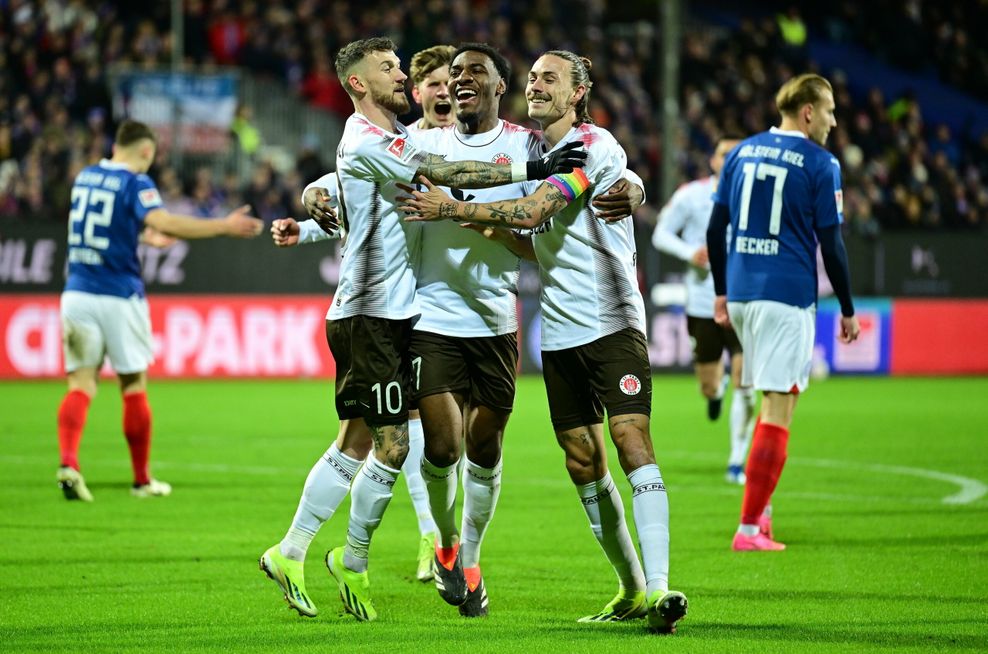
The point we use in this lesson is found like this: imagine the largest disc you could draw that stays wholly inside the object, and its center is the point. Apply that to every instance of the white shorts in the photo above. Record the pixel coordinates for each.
(777, 340)
(97, 325)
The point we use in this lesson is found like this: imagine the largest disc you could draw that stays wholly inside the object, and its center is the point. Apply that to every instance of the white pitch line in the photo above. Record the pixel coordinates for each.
(971, 490)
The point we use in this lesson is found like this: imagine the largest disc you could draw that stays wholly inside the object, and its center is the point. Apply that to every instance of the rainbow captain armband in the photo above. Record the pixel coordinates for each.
(572, 185)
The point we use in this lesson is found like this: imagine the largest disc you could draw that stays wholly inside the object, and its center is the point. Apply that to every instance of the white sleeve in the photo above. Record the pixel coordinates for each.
(328, 182)
(387, 159)
(633, 177)
(310, 232)
(606, 163)
(671, 221)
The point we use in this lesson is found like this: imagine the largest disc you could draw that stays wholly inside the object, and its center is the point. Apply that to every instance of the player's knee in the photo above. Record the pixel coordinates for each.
(441, 454)
(484, 450)
(582, 471)
(634, 447)
(709, 389)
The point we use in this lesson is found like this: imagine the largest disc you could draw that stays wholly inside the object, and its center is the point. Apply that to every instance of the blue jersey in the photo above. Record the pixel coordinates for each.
(109, 202)
(779, 187)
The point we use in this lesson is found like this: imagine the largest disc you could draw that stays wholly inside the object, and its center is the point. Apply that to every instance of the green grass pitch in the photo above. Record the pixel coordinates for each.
(877, 560)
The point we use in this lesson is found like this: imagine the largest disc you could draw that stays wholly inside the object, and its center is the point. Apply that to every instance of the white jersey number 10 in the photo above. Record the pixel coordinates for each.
(763, 171)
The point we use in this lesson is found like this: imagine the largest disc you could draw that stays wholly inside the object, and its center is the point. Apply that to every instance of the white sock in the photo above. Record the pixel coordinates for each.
(412, 471)
(481, 487)
(369, 498)
(325, 487)
(441, 483)
(602, 502)
(742, 425)
(651, 506)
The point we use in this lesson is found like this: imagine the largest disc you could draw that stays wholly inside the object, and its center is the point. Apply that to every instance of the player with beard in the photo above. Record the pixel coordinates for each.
(594, 352)
(464, 347)
(429, 71)
(369, 324)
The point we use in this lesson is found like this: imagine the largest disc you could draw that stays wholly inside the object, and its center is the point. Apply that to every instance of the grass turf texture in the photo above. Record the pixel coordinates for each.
(876, 560)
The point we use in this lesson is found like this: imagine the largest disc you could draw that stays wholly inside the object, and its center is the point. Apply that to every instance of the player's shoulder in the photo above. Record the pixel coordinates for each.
(700, 185)
(363, 132)
(822, 157)
(514, 129)
(594, 135)
(367, 140)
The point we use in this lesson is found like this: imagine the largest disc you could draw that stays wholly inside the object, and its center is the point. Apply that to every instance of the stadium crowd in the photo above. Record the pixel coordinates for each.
(901, 169)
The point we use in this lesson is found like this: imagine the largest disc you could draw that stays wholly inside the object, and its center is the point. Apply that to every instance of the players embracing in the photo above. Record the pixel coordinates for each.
(594, 350)
(369, 325)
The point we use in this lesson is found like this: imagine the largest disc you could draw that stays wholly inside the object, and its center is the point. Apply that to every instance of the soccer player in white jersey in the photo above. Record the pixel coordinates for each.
(780, 191)
(103, 307)
(429, 70)
(594, 351)
(369, 324)
(464, 347)
(681, 231)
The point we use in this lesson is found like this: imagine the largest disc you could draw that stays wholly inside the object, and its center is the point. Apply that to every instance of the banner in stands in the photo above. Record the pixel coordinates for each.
(201, 105)
(194, 336)
(32, 260)
(284, 336)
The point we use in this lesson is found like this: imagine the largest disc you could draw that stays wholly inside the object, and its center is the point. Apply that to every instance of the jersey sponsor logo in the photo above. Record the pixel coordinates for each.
(501, 158)
(630, 385)
(149, 197)
(839, 199)
(397, 147)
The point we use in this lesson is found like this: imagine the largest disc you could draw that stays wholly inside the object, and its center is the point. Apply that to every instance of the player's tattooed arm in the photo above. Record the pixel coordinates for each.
(462, 174)
(524, 213)
(477, 174)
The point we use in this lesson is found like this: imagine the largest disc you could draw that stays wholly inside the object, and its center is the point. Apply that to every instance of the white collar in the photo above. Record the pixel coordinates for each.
(113, 165)
(787, 132)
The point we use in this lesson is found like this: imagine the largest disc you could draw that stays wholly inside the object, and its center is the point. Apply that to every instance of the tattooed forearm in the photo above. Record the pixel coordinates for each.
(527, 212)
(463, 174)
(448, 210)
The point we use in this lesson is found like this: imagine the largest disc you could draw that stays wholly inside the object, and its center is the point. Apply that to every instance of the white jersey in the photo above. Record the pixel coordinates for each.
(681, 231)
(377, 276)
(468, 284)
(587, 266)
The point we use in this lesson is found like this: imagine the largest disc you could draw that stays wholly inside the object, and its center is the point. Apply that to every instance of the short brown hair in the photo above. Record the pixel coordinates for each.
(805, 89)
(428, 60)
(353, 53)
(131, 131)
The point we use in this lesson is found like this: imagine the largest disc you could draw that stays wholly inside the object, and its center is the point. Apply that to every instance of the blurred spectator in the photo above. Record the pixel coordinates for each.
(247, 138)
(322, 88)
(902, 168)
(309, 164)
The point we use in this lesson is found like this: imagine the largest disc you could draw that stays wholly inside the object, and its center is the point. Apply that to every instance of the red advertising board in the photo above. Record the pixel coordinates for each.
(932, 337)
(194, 336)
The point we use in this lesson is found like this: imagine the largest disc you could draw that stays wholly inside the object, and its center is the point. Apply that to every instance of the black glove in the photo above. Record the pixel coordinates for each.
(563, 160)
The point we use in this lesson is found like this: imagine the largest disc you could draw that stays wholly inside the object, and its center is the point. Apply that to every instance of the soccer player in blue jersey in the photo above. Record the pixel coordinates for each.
(781, 193)
(104, 311)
